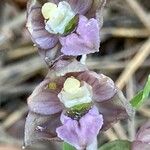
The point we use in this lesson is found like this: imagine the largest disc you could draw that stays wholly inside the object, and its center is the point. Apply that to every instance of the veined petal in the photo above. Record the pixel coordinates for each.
(142, 139)
(115, 109)
(44, 100)
(80, 6)
(36, 128)
(103, 87)
(86, 40)
(143, 134)
(88, 8)
(80, 133)
(36, 26)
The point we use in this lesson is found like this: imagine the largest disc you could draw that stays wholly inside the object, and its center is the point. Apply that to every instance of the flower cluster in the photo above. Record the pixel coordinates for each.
(72, 104)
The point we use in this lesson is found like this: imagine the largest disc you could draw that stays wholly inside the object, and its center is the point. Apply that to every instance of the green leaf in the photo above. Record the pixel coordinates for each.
(141, 96)
(67, 146)
(116, 145)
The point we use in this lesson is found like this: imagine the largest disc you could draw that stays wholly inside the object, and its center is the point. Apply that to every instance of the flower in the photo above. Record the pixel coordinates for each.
(57, 112)
(64, 28)
(72, 104)
(80, 133)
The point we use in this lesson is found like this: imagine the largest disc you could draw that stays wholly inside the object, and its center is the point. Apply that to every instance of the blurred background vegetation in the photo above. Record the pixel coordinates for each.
(124, 56)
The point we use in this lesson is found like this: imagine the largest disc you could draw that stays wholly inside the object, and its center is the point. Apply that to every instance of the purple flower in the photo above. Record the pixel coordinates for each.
(49, 115)
(52, 46)
(80, 133)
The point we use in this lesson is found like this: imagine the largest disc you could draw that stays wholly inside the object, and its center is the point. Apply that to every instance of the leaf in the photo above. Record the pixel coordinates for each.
(116, 145)
(141, 96)
(67, 146)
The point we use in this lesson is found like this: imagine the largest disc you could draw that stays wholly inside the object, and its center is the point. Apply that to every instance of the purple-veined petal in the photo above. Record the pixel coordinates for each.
(142, 140)
(115, 109)
(88, 8)
(103, 87)
(80, 6)
(143, 134)
(36, 26)
(81, 133)
(36, 131)
(45, 101)
(86, 39)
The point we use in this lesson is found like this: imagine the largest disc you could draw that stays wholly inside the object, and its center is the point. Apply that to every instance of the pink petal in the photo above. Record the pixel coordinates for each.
(45, 101)
(80, 133)
(80, 6)
(115, 109)
(86, 39)
(87, 7)
(36, 27)
(103, 86)
(143, 134)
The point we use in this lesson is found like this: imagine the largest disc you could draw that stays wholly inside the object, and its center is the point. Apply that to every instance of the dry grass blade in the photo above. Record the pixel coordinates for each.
(110, 135)
(120, 131)
(145, 111)
(15, 116)
(16, 73)
(140, 12)
(134, 64)
(126, 32)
